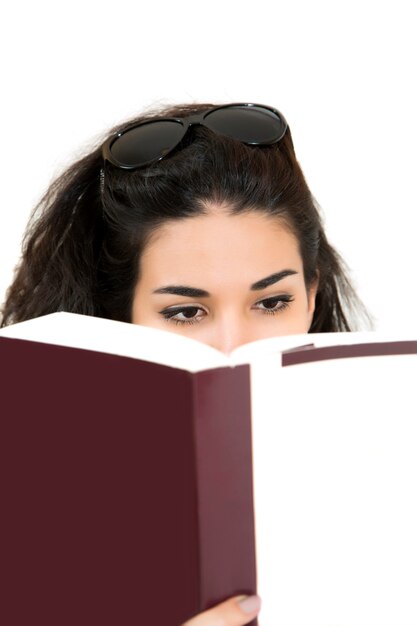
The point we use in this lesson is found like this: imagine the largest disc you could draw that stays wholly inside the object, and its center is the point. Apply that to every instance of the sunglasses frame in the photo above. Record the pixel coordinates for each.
(197, 119)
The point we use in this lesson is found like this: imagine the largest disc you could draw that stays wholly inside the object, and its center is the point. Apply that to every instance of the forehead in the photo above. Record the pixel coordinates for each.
(208, 248)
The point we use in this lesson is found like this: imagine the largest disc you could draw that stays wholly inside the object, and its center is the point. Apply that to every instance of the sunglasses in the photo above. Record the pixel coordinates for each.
(150, 141)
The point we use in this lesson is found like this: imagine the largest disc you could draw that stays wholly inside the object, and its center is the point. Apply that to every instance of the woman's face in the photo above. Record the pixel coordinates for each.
(224, 280)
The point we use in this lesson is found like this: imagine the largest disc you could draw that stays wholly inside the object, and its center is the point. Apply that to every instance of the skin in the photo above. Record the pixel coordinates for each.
(227, 257)
(229, 613)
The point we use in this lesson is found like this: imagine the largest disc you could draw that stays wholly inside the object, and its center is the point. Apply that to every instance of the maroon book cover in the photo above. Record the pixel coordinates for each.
(126, 488)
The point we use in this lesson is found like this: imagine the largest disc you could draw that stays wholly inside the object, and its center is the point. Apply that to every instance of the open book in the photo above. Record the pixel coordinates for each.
(148, 476)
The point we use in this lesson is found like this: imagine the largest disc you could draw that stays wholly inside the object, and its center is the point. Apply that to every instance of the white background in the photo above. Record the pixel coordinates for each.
(343, 74)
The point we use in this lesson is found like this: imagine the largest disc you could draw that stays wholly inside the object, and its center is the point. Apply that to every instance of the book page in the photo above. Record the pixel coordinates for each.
(112, 337)
(141, 342)
(335, 482)
(251, 351)
(166, 347)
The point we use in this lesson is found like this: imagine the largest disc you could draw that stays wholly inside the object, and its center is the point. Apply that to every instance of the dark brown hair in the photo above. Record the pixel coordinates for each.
(83, 245)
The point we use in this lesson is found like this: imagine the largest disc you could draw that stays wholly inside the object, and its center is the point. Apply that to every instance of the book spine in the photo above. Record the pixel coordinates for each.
(223, 444)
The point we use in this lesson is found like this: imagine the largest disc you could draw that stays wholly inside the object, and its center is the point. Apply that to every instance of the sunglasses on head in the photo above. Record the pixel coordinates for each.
(150, 141)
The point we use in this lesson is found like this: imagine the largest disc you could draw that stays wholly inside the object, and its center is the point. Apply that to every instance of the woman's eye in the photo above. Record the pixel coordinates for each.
(274, 304)
(184, 315)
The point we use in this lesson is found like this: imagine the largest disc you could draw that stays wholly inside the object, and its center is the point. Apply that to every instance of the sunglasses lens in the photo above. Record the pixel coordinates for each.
(250, 124)
(147, 143)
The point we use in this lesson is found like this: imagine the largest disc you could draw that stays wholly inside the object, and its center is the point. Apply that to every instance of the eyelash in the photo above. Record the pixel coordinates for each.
(283, 301)
(168, 315)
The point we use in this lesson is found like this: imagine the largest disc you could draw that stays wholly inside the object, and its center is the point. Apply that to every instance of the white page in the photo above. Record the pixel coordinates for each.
(165, 347)
(146, 343)
(131, 340)
(336, 491)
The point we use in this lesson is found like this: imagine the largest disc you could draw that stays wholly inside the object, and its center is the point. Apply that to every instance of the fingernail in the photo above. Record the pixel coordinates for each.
(251, 604)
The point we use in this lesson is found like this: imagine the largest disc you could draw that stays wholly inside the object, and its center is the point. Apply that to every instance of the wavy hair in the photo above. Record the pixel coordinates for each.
(83, 244)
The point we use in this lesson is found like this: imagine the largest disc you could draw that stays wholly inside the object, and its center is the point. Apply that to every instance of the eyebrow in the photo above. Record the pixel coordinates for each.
(193, 292)
(179, 290)
(272, 279)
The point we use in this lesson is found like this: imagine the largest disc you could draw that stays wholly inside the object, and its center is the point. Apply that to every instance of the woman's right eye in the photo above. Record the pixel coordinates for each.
(184, 315)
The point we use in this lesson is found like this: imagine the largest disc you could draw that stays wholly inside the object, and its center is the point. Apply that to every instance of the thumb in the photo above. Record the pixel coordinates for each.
(233, 612)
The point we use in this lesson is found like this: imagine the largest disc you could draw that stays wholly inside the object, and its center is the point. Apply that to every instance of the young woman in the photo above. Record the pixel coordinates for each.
(196, 219)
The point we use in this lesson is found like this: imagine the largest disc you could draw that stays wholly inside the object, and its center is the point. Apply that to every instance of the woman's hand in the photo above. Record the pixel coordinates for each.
(234, 612)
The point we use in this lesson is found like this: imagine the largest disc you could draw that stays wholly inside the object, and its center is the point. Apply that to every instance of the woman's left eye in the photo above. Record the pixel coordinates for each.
(184, 315)
(274, 304)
